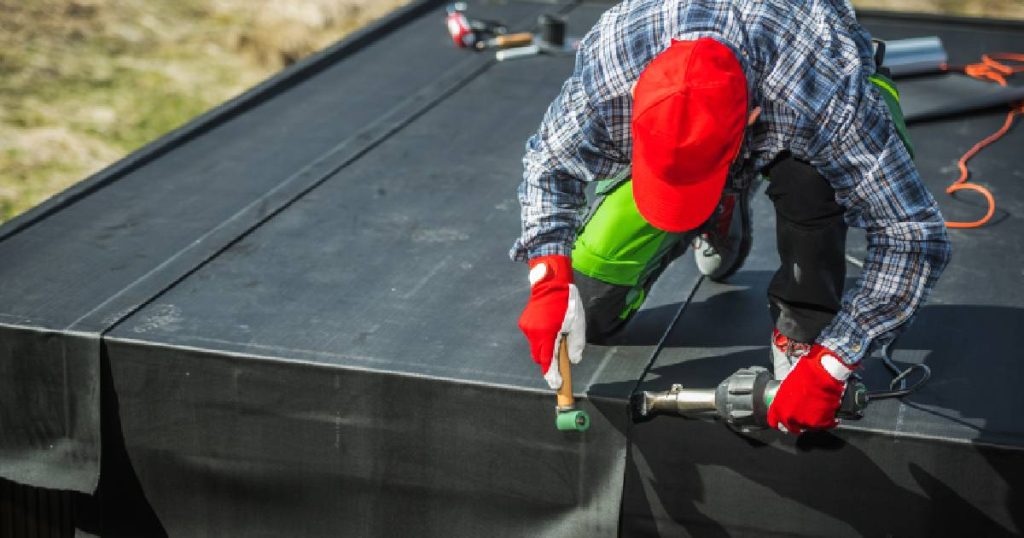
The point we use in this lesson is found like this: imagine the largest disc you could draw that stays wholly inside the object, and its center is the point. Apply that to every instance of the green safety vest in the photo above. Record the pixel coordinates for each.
(891, 96)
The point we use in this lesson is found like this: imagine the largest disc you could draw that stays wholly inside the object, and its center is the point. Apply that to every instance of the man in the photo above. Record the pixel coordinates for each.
(678, 106)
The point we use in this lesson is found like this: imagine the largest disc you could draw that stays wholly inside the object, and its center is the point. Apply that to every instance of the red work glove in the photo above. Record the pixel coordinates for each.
(811, 394)
(555, 311)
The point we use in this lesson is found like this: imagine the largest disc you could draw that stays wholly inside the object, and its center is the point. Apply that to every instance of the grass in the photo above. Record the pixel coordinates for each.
(84, 82)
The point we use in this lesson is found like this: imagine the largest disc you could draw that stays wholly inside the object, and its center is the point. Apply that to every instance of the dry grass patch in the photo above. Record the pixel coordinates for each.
(83, 82)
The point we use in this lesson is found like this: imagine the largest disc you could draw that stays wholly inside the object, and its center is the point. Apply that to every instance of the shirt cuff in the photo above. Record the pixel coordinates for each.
(549, 249)
(523, 255)
(845, 337)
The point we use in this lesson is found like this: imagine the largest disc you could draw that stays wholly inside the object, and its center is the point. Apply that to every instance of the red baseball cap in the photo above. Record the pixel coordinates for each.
(689, 113)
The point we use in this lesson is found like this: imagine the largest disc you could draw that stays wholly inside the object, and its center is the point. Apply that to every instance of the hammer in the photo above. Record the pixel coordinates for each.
(567, 417)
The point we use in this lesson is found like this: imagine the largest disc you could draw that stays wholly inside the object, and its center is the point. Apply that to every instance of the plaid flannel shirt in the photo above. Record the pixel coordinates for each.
(807, 64)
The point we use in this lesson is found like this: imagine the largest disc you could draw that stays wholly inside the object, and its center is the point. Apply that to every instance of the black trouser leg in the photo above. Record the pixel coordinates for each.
(603, 304)
(806, 291)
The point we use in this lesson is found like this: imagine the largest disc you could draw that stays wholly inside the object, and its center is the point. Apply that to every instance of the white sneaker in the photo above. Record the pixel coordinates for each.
(722, 247)
(785, 353)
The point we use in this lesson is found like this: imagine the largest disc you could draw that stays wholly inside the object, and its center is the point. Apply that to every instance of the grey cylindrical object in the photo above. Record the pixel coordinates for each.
(740, 398)
(695, 401)
(914, 56)
(691, 403)
(552, 29)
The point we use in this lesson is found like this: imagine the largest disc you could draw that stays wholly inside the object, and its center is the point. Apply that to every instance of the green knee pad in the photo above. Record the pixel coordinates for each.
(617, 246)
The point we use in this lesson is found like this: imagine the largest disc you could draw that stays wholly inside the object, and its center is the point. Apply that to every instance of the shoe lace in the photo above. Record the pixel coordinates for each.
(790, 348)
(715, 234)
(708, 249)
(797, 349)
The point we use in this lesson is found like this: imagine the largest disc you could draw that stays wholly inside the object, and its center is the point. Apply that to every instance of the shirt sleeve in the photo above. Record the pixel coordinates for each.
(879, 185)
(571, 148)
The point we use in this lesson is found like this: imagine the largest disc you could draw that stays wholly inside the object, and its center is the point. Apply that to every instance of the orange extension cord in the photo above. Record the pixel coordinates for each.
(992, 68)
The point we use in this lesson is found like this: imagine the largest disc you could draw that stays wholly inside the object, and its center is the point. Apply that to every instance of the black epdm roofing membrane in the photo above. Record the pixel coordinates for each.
(296, 317)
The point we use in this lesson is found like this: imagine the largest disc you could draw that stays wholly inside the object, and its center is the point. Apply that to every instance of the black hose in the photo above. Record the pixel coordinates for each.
(898, 386)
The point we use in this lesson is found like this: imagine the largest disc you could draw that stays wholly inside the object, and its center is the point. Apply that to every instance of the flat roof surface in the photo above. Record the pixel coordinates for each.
(353, 218)
(398, 262)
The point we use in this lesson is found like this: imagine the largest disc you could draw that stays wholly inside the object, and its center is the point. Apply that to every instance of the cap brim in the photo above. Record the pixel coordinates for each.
(672, 206)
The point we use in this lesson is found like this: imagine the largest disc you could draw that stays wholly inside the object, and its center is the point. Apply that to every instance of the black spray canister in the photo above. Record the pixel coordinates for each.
(552, 29)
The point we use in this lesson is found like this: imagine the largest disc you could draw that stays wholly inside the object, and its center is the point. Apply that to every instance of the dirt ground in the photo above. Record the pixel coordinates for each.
(84, 82)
